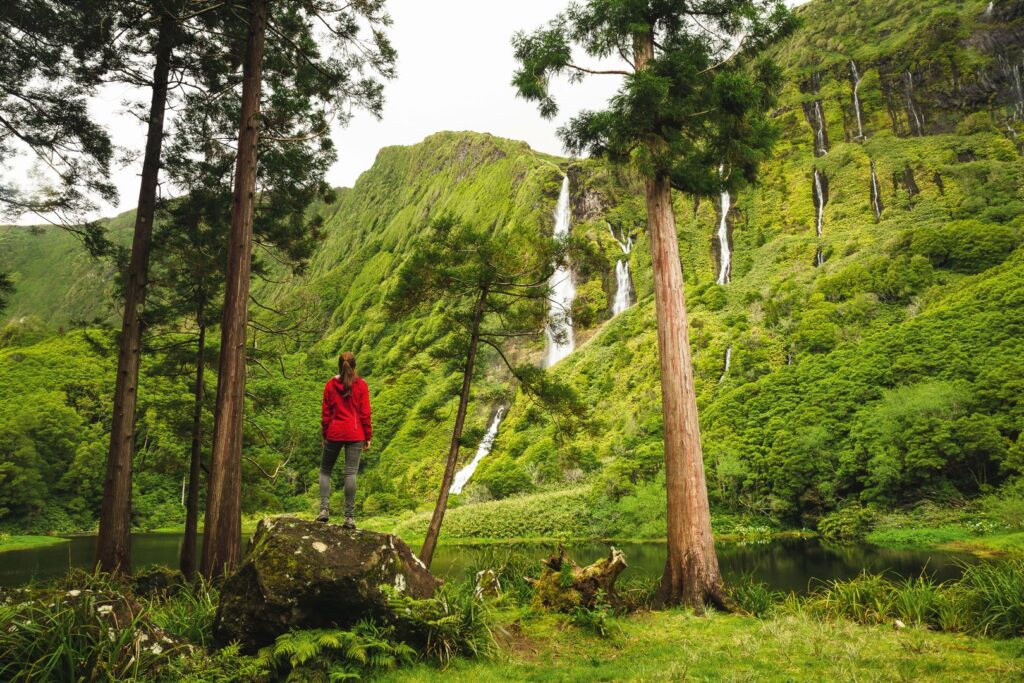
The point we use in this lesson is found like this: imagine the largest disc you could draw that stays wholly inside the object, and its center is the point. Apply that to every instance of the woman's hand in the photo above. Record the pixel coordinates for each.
(366, 445)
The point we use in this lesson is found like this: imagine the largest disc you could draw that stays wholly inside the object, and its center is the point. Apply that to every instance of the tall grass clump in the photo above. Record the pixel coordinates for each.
(189, 612)
(866, 599)
(512, 568)
(994, 592)
(79, 635)
(755, 598)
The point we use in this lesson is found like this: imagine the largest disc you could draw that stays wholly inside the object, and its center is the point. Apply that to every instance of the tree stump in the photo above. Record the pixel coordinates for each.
(564, 585)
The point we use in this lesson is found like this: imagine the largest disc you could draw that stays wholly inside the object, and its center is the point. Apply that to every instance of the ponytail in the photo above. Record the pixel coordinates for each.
(347, 371)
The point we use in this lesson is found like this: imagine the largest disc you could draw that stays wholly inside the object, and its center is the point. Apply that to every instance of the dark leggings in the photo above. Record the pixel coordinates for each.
(332, 449)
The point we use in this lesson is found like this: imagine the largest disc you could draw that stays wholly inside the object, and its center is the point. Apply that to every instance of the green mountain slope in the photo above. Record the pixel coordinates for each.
(879, 361)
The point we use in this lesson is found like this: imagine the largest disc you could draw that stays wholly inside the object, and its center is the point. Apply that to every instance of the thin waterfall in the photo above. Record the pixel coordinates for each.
(913, 117)
(819, 132)
(857, 78)
(463, 475)
(623, 280)
(725, 260)
(728, 362)
(820, 198)
(819, 258)
(876, 194)
(562, 286)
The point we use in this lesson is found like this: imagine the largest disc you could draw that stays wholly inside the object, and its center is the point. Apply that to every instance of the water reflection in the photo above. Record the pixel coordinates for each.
(785, 564)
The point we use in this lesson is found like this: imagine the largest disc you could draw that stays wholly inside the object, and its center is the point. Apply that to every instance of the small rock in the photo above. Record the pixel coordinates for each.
(897, 624)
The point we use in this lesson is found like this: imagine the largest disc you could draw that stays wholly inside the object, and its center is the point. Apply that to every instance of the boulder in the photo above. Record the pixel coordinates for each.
(301, 574)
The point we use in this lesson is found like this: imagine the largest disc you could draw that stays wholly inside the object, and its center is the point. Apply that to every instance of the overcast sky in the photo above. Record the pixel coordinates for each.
(455, 66)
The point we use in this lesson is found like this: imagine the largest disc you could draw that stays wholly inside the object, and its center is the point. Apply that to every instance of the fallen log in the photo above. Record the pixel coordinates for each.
(563, 584)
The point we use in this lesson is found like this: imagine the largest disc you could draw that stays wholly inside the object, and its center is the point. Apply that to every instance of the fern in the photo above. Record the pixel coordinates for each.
(335, 655)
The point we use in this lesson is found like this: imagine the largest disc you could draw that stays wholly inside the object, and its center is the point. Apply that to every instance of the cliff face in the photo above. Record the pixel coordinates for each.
(865, 342)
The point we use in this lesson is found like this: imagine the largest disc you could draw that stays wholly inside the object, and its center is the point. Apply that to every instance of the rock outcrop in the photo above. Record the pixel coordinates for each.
(301, 574)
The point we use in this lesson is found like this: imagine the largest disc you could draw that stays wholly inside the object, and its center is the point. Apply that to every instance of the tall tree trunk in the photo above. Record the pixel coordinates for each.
(222, 535)
(188, 545)
(434, 530)
(113, 545)
(691, 574)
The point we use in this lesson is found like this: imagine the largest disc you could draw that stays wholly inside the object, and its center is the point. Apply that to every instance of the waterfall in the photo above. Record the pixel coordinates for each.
(819, 258)
(819, 200)
(913, 117)
(563, 288)
(623, 280)
(725, 260)
(856, 98)
(728, 362)
(463, 475)
(819, 132)
(876, 194)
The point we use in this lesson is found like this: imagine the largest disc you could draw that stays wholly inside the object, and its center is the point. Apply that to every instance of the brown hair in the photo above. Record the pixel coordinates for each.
(347, 370)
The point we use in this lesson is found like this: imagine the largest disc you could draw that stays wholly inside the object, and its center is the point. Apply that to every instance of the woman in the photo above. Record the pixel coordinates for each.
(345, 418)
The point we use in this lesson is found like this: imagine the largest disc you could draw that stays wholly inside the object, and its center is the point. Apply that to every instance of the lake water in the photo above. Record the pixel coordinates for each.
(784, 564)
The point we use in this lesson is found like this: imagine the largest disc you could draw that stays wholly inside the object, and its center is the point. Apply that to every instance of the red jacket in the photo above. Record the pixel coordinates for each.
(346, 418)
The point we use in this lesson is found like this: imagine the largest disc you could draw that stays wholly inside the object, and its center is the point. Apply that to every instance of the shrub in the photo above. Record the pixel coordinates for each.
(850, 523)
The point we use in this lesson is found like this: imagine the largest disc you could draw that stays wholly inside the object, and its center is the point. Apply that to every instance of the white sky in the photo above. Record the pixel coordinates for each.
(455, 67)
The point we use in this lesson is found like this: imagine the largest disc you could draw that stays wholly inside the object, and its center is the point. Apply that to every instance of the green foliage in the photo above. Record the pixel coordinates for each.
(78, 635)
(332, 655)
(451, 624)
(596, 619)
(755, 598)
(848, 523)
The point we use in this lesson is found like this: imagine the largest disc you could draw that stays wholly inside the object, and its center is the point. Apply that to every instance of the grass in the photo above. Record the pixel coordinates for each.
(23, 542)
(676, 645)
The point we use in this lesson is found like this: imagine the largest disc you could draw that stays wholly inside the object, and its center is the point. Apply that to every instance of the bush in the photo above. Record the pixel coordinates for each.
(850, 523)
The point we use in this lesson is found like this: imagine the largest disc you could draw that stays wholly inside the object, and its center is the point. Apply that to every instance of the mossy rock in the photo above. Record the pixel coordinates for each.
(301, 575)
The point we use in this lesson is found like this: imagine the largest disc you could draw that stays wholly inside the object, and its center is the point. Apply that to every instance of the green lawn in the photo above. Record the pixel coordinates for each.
(675, 645)
(21, 542)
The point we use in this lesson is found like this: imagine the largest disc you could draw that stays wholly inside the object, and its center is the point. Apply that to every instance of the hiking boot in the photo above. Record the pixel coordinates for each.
(324, 515)
(350, 523)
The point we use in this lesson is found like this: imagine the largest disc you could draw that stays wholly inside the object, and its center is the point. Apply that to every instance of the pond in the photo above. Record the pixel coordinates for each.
(785, 564)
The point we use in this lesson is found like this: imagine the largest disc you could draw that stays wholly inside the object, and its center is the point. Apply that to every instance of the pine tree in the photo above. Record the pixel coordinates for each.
(491, 287)
(694, 98)
(54, 56)
(303, 90)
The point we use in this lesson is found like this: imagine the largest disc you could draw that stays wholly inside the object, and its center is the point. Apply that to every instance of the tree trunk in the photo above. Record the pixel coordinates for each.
(222, 536)
(691, 569)
(434, 530)
(691, 574)
(113, 544)
(188, 545)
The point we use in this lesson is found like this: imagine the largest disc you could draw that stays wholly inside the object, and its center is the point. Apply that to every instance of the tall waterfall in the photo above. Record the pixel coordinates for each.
(623, 280)
(463, 475)
(876, 194)
(563, 288)
(725, 260)
(819, 200)
(856, 98)
(728, 362)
